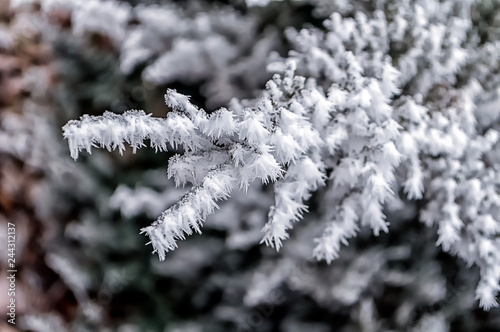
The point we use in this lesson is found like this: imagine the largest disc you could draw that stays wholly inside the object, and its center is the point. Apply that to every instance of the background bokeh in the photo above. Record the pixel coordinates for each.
(83, 265)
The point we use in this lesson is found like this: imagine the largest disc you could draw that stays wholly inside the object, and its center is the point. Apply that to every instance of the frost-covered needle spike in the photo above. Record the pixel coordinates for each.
(111, 131)
(191, 211)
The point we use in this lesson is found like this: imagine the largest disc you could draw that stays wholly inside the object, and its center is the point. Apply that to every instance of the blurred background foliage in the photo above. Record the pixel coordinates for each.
(83, 265)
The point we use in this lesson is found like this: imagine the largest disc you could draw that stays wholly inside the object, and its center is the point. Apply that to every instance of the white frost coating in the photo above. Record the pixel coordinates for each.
(342, 115)
(106, 17)
(111, 131)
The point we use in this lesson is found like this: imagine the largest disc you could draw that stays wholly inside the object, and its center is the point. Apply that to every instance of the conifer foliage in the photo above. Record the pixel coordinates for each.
(393, 100)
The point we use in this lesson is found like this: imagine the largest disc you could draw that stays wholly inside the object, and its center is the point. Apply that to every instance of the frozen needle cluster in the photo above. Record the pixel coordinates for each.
(395, 101)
